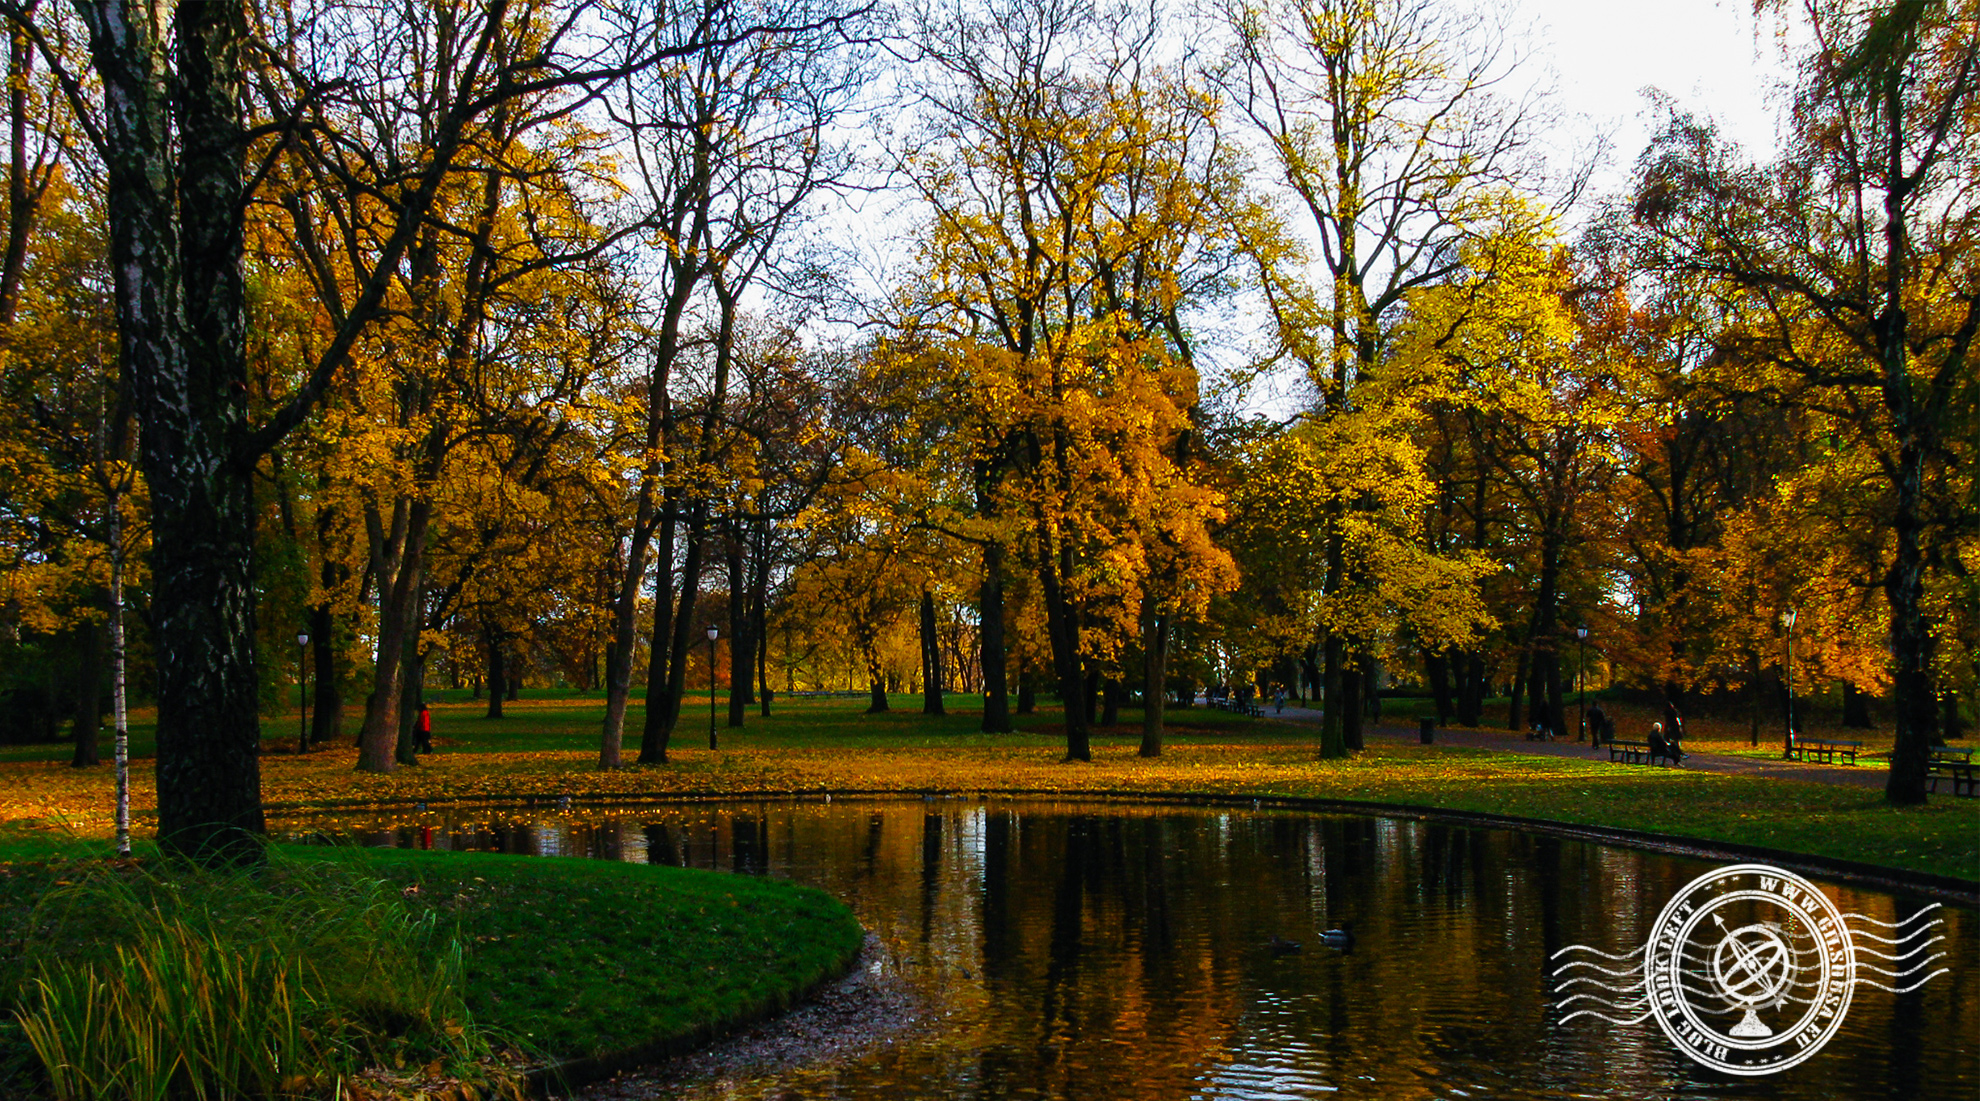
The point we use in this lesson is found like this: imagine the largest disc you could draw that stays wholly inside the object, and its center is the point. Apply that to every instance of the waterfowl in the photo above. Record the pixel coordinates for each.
(1283, 947)
(1342, 938)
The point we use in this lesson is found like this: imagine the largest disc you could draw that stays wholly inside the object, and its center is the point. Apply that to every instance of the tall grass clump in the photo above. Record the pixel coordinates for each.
(149, 982)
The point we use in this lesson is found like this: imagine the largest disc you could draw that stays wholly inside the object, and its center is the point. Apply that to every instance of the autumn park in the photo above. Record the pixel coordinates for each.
(1046, 548)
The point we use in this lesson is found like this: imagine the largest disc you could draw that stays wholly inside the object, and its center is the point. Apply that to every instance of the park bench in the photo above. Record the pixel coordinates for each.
(1636, 753)
(1629, 753)
(1825, 749)
(1954, 764)
(1240, 707)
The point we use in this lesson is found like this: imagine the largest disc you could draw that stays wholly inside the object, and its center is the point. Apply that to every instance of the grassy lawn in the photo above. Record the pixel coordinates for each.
(584, 957)
(546, 748)
(560, 958)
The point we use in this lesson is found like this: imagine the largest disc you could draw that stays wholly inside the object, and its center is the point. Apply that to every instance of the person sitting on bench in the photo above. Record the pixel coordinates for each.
(1660, 746)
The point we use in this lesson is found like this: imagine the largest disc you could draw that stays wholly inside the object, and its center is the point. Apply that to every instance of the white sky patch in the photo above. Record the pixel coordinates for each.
(1710, 56)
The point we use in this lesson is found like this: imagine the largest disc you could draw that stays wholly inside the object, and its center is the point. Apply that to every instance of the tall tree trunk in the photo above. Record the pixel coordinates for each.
(1154, 675)
(412, 691)
(764, 693)
(1536, 693)
(1912, 423)
(656, 728)
(1471, 701)
(497, 677)
(1436, 668)
(176, 233)
(1518, 688)
(1546, 627)
(23, 196)
(1027, 695)
(1913, 697)
(682, 647)
(990, 636)
(326, 720)
(876, 678)
(625, 630)
(400, 584)
(1353, 701)
(1063, 628)
(741, 647)
(1333, 696)
(1856, 706)
(931, 659)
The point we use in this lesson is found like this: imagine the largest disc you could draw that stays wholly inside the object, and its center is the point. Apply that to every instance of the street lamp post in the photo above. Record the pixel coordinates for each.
(1581, 682)
(302, 691)
(1787, 750)
(713, 633)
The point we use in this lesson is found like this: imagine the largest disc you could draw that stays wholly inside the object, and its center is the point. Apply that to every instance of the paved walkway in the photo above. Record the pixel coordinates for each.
(1509, 742)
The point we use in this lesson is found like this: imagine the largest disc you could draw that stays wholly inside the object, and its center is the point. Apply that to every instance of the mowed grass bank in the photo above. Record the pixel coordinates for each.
(557, 959)
(547, 747)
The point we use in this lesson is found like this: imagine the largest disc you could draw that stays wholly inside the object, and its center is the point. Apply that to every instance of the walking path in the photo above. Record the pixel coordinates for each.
(1509, 742)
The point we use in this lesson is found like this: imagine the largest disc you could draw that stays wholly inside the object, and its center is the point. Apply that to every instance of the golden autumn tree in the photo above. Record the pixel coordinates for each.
(1503, 341)
(1383, 125)
(1068, 186)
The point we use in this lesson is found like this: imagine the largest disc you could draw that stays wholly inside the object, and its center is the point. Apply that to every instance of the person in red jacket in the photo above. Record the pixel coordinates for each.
(423, 731)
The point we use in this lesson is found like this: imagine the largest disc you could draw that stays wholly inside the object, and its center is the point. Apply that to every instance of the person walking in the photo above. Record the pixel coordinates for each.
(1674, 729)
(423, 731)
(1279, 701)
(1597, 720)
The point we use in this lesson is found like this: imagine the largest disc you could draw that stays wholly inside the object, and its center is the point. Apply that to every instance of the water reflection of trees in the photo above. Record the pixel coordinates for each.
(1079, 951)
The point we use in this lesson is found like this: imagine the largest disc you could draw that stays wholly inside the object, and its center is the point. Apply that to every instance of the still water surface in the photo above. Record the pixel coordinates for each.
(1092, 952)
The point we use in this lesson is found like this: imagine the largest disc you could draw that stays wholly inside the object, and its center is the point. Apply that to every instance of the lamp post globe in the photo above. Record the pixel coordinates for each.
(1580, 682)
(713, 634)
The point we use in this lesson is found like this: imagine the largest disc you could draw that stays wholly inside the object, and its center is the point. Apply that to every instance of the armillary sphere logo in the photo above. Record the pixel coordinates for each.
(1749, 969)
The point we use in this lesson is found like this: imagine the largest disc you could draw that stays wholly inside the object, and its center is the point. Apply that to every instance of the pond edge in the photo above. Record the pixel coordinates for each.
(1938, 888)
(571, 1074)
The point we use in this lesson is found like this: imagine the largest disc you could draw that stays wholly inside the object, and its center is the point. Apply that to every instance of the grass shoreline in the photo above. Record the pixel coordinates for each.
(576, 965)
(545, 750)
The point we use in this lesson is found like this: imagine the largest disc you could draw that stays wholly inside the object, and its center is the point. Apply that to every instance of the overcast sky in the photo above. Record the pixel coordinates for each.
(1705, 54)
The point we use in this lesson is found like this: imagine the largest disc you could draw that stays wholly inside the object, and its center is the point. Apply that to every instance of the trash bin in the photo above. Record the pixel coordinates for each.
(1426, 729)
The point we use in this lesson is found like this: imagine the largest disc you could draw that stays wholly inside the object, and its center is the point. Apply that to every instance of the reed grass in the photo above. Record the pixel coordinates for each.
(152, 982)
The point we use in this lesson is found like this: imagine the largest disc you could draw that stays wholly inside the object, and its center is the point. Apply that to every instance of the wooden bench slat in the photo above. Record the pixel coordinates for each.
(1956, 764)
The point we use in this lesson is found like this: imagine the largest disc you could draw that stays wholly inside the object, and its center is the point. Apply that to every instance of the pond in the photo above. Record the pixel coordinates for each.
(1085, 951)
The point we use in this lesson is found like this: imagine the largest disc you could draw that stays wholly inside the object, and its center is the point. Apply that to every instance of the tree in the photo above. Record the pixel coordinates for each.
(1855, 249)
(1069, 189)
(730, 148)
(181, 159)
(1385, 135)
(1503, 340)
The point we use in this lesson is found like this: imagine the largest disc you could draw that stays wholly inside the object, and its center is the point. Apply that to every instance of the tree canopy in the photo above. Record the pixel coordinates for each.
(497, 344)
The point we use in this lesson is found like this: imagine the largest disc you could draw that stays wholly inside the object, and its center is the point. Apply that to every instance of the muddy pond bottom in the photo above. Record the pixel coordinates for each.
(1094, 952)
